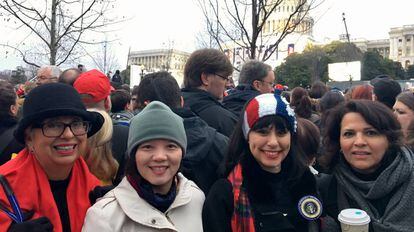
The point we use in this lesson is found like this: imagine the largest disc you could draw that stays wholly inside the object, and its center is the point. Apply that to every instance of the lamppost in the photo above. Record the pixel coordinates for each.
(142, 67)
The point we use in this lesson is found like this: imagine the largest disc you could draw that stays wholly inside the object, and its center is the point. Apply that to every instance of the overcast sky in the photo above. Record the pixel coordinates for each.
(156, 23)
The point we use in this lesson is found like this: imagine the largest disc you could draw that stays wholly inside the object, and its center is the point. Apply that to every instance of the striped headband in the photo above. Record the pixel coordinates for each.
(264, 105)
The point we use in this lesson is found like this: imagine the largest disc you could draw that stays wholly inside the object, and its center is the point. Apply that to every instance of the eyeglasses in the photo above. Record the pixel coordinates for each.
(43, 78)
(224, 78)
(269, 83)
(56, 129)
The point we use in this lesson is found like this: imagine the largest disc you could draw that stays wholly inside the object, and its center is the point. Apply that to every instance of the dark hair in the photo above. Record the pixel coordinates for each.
(126, 88)
(407, 98)
(374, 113)
(318, 89)
(159, 86)
(300, 100)
(386, 91)
(253, 70)
(119, 99)
(330, 100)
(68, 77)
(7, 99)
(239, 150)
(208, 61)
(135, 90)
(308, 138)
(362, 92)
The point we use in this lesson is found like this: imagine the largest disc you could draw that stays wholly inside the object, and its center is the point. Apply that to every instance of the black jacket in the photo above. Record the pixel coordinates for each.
(7, 140)
(205, 150)
(210, 110)
(238, 97)
(272, 198)
(119, 146)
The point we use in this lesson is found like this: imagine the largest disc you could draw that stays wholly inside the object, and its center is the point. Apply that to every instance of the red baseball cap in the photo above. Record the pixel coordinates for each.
(94, 83)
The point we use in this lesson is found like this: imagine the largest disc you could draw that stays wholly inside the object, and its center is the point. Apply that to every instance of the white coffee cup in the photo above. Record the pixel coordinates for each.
(354, 220)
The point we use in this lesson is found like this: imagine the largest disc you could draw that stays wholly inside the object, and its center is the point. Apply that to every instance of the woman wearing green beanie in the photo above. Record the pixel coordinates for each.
(153, 196)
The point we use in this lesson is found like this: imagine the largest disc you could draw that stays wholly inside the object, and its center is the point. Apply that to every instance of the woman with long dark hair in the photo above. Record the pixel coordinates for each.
(370, 169)
(267, 185)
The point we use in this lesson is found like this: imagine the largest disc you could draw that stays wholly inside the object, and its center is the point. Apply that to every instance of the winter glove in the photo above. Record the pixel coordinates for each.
(41, 224)
(99, 191)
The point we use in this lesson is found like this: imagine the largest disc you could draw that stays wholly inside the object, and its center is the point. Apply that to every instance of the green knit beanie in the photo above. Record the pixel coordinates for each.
(156, 121)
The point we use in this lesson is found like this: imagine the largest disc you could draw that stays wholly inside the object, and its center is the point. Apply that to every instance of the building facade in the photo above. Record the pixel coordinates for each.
(382, 46)
(270, 34)
(170, 60)
(402, 45)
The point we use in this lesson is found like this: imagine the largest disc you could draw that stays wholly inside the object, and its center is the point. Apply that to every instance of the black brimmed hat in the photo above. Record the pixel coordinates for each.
(52, 100)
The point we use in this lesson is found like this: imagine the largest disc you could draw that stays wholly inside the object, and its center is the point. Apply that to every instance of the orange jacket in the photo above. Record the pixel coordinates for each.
(32, 190)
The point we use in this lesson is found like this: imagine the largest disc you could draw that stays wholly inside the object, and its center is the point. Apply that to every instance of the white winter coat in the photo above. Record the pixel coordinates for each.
(123, 210)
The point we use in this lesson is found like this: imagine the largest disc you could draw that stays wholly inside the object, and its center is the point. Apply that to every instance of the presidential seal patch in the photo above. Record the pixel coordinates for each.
(310, 207)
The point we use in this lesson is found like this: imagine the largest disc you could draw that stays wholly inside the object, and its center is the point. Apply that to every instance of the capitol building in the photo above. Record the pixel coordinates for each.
(273, 27)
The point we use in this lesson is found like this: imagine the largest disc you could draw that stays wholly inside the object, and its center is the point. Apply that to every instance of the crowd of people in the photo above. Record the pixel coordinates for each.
(79, 151)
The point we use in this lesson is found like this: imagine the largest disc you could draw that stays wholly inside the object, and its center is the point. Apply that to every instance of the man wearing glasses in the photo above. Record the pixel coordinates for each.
(205, 76)
(255, 78)
(47, 74)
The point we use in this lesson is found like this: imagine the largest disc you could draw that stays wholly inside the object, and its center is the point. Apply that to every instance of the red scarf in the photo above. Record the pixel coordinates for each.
(31, 187)
(242, 219)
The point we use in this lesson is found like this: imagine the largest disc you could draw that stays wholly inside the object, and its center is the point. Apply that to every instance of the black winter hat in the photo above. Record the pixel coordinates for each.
(52, 100)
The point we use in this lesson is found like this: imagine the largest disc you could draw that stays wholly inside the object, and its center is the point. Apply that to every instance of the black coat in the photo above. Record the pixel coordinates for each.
(210, 110)
(238, 97)
(272, 198)
(119, 146)
(7, 141)
(205, 150)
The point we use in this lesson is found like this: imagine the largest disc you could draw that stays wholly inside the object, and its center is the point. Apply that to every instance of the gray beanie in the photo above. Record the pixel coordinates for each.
(156, 121)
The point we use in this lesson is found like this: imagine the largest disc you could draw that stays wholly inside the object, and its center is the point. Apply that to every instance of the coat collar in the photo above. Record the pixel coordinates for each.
(143, 213)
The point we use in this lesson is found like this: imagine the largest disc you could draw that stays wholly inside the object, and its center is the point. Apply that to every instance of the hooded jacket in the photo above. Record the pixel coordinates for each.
(210, 110)
(205, 150)
(123, 210)
(238, 97)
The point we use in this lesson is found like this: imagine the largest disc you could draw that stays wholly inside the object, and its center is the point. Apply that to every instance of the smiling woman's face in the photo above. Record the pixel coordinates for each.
(362, 145)
(158, 162)
(57, 153)
(269, 147)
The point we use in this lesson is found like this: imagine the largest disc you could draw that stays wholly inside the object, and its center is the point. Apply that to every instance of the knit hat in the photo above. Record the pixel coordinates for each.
(264, 105)
(53, 100)
(94, 83)
(156, 121)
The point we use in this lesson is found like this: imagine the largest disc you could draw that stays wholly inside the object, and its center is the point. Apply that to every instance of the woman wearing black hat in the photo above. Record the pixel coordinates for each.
(268, 185)
(50, 181)
(153, 196)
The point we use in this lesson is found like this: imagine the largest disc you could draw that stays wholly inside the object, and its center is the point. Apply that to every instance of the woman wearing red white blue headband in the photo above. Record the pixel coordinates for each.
(266, 185)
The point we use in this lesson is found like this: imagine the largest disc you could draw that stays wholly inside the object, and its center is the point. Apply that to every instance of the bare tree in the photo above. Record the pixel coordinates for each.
(246, 24)
(56, 27)
(104, 57)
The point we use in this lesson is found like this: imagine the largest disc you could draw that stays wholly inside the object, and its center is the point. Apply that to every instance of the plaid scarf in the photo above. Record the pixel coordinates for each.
(242, 219)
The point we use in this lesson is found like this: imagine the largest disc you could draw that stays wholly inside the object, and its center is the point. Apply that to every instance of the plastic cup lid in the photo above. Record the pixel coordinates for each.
(355, 217)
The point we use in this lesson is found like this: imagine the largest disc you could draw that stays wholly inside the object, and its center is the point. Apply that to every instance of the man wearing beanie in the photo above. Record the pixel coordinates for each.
(386, 91)
(153, 196)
